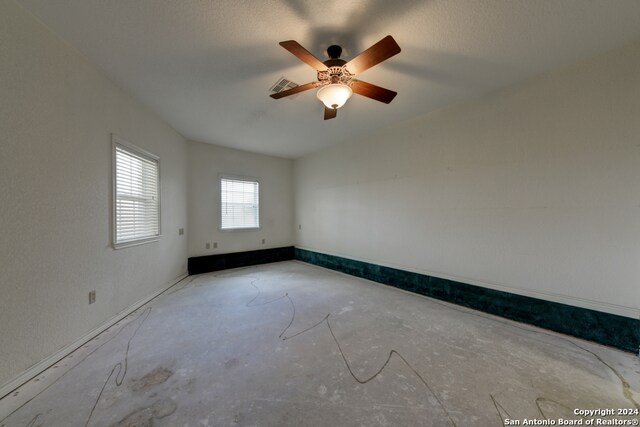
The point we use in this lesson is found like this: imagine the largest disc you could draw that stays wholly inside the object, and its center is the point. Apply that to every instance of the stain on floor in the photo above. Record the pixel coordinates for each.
(144, 417)
(153, 378)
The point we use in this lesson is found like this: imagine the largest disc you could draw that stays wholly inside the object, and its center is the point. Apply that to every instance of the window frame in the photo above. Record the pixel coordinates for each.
(117, 141)
(239, 178)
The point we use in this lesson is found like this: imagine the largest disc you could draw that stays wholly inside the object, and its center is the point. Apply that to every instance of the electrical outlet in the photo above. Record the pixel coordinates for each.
(92, 297)
(208, 246)
(215, 245)
(180, 231)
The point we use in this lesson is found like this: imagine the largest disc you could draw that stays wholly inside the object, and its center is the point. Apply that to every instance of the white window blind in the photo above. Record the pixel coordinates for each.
(136, 195)
(240, 199)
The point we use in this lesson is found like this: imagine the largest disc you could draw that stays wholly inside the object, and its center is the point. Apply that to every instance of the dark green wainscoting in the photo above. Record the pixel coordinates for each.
(609, 329)
(208, 263)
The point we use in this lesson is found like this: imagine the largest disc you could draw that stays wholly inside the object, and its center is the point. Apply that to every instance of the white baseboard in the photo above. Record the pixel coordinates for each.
(36, 369)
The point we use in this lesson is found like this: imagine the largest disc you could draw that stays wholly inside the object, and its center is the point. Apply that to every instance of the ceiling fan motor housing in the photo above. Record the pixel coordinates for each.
(335, 75)
(334, 51)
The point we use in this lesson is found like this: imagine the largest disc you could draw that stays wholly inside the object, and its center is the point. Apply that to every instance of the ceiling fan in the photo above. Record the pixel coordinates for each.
(336, 77)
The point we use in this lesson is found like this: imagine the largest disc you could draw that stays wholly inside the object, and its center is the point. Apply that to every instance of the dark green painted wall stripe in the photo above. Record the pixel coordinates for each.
(608, 329)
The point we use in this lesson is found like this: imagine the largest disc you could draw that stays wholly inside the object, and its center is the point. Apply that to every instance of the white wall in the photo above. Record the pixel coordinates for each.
(206, 162)
(533, 190)
(57, 112)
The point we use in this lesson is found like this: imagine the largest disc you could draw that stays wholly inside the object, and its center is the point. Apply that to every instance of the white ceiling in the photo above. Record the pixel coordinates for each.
(205, 66)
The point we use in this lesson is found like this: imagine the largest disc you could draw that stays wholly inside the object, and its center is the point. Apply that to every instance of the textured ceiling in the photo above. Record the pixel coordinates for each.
(205, 66)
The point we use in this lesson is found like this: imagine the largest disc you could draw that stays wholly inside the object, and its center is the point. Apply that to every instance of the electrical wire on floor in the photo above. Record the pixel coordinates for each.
(32, 423)
(123, 327)
(344, 357)
(120, 366)
(626, 387)
(251, 304)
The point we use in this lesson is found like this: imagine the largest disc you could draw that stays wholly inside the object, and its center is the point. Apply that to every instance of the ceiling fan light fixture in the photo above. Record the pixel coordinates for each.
(334, 95)
(335, 76)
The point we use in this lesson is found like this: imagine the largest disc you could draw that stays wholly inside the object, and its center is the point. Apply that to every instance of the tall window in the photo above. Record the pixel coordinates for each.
(136, 186)
(240, 203)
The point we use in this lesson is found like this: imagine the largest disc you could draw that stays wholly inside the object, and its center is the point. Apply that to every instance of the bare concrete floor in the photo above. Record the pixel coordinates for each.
(293, 344)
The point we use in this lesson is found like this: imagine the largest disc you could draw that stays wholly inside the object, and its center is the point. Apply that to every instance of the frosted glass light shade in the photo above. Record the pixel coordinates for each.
(334, 95)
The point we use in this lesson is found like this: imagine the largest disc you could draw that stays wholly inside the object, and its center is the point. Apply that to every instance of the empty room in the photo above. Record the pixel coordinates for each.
(339, 213)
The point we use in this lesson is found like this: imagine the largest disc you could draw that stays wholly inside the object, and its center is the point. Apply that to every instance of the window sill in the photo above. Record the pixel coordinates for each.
(224, 230)
(128, 244)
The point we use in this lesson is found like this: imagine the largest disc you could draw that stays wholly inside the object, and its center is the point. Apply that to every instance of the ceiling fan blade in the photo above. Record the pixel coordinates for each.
(372, 91)
(330, 113)
(381, 51)
(295, 90)
(303, 54)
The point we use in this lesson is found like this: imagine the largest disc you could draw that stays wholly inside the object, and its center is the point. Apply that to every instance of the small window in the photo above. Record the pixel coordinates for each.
(240, 203)
(136, 195)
